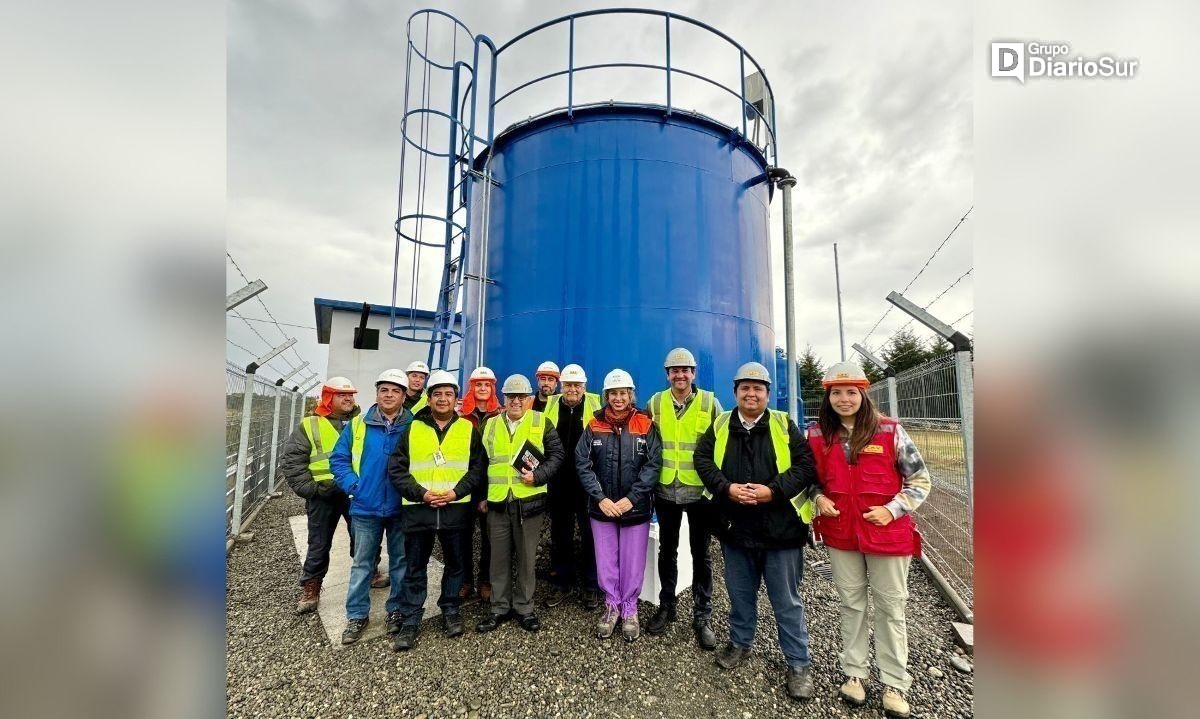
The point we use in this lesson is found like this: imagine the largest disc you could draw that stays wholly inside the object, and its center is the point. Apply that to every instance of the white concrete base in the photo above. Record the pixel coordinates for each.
(332, 609)
(651, 583)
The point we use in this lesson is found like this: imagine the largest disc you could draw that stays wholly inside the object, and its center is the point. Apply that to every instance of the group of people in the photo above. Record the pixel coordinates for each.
(428, 462)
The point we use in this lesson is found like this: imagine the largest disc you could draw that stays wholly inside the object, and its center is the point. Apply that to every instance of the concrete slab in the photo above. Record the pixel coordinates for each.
(964, 636)
(332, 609)
(651, 582)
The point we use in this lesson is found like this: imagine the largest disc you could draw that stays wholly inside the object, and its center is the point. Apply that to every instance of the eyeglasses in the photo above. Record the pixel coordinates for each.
(518, 398)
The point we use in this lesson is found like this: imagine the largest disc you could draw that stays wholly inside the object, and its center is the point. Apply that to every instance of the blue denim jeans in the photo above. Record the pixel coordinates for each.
(781, 569)
(368, 533)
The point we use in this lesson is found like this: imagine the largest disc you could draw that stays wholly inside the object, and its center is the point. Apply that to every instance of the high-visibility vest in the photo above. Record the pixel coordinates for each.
(456, 451)
(679, 435)
(421, 403)
(322, 436)
(591, 403)
(502, 477)
(783, 455)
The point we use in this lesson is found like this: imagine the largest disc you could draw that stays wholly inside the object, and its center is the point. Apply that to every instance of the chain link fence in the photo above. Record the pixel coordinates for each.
(929, 409)
(254, 436)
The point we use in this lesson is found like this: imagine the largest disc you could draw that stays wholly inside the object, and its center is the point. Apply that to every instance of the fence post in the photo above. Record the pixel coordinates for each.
(893, 400)
(274, 442)
(243, 445)
(966, 406)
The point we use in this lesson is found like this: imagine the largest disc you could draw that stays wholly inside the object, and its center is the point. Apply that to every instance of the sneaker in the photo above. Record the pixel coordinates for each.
(406, 639)
(310, 596)
(380, 580)
(800, 682)
(630, 628)
(558, 595)
(591, 600)
(608, 622)
(658, 623)
(452, 624)
(894, 703)
(704, 635)
(393, 622)
(354, 630)
(529, 622)
(732, 656)
(853, 692)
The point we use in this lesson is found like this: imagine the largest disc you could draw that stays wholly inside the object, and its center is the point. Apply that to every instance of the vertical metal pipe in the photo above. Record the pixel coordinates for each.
(243, 447)
(742, 108)
(789, 293)
(837, 274)
(893, 398)
(668, 65)
(966, 407)
(571, 69)
(274, 442)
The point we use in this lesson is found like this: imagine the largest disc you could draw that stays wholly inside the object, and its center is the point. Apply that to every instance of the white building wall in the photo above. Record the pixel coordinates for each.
(363, 366)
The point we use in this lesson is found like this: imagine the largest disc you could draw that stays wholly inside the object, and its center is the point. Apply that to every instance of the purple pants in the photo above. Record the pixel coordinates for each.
(621, 562)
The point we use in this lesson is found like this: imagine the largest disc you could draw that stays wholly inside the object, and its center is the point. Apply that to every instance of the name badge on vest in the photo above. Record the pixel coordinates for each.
(438, 458)
(873, 449)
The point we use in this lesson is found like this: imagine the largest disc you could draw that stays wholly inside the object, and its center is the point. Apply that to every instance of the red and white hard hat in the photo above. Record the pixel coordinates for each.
(547, 368)
(846, 373)
(340, 384)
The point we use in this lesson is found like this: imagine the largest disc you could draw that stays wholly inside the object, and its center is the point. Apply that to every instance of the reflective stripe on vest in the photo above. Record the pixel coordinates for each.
(456, 451)
(783, 454)
(322, 436)
(421, 404)
(679, 435)
(358, 437)
(591, 403)
(502, 477)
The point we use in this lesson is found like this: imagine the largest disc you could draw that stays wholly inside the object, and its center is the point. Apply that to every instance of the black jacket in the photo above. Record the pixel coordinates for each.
(617, 464)
(421, 516)
(750, 457)
(294, 461)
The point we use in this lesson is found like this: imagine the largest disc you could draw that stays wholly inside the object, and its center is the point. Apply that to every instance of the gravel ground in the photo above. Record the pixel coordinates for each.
(281, 665)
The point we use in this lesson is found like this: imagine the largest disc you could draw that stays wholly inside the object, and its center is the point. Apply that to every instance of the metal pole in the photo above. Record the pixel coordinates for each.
(966, 407)
(837, 275)
(893, 400)
(243, 446)
(786, 182)
(274, 442)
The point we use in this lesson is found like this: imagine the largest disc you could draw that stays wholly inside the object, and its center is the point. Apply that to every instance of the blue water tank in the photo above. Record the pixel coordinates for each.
(615, 235)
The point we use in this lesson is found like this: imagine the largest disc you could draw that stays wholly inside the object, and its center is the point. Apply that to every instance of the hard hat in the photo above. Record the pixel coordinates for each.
(573, 373)
(517, 384)
(846, 373)
(418, 366)
(483, 373)
(548, 368)
(340, 384)
(394, 376)
(439, 378)
(618, 379)
(754, 371)
(679, 357)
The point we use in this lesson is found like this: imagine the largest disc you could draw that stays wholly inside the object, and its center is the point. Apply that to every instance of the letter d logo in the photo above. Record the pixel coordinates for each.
(1008, 60)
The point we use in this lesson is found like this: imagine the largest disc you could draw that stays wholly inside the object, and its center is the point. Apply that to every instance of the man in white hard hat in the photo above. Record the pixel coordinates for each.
(682, 414)
(758, 466)
(516, 496)
(547, 384)
(414, 400)
(359, 463)
(478, 406)
(304, 464)
(436, 466)
(570, 412)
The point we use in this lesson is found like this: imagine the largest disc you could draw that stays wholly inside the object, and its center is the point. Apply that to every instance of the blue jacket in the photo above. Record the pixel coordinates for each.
(371, 494)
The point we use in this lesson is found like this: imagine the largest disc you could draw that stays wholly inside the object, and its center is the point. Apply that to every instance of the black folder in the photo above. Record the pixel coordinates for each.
(527, 457)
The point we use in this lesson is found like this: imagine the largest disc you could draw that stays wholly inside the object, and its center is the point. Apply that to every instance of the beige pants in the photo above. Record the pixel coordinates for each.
(853, 572)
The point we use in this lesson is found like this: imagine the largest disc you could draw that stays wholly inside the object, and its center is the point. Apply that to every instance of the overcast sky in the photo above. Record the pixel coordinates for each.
(874, 107)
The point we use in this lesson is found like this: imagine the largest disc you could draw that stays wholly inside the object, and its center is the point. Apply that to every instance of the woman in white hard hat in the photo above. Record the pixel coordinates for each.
(872, 479)
(619, 458)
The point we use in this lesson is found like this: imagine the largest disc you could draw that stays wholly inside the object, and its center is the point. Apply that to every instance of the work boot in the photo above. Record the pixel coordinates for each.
(853, 692)
(608, 622)
(558, 595)
(591, 600)
(354, 630)
(485, 591)
(406, 639)
(630, 628)
(704, 635)
(658, 623)
(732, 656)
(310, 596)
(380, 580)
(529, 622)
(800, 682)
(894, 703)
(393, 622)
(452, 624)
(465, 593)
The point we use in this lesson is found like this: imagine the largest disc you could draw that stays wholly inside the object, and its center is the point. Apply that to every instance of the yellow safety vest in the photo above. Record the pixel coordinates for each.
(591, 403)
(456, 452)
(502, 477)
(679, 435)
(783, 454)
(421, 403)
(322, 436)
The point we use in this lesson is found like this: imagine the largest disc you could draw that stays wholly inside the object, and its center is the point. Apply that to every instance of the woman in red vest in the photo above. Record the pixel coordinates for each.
(872, 478)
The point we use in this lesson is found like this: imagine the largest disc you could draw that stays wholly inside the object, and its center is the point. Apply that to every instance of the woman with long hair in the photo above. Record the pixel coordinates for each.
(872, 479)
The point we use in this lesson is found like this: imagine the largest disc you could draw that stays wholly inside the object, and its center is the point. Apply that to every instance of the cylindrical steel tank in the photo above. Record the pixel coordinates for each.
(615, 235)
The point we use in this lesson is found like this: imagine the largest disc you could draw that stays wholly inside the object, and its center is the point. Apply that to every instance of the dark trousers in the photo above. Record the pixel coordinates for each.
(481, 572)
(418, 547)
(670, 519)
(323, 515)
(568, 509)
